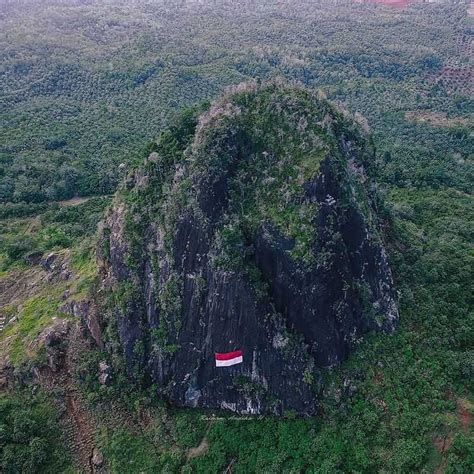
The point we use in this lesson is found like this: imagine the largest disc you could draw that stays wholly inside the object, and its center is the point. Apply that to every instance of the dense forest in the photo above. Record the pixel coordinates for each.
(84, 86)
(87, 85)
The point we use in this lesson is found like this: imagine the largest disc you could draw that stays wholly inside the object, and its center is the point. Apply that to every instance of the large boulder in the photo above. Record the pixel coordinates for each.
(255, 230)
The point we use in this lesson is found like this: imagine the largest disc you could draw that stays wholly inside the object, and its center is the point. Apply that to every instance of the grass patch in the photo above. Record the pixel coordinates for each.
(35, 315)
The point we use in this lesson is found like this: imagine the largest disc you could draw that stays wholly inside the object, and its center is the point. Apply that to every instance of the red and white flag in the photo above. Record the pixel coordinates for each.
(226, 359)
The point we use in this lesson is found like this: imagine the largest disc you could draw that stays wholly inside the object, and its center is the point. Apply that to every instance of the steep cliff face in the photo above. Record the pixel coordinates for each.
(250, 227)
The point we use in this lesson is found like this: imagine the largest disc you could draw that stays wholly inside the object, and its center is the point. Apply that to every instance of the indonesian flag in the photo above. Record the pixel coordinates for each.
(226, 359)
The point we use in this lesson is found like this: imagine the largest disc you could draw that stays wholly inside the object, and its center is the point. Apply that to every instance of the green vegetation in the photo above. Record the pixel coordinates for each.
(86, 85)
(387, 405)
(30, 440)
(37, 310)
(56, 228)
(35, 315)
(128, 453)
(269, 126)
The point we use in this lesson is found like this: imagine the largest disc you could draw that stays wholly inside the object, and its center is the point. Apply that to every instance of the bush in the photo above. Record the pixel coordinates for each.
(30, 437)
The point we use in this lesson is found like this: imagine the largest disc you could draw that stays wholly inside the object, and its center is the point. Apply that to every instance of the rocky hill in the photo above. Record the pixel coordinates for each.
(251, 227)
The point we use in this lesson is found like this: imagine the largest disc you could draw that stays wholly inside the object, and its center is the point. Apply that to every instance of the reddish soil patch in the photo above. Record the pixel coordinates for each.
(83, 433)
(77, 423)
(464, 415)
(442, 444)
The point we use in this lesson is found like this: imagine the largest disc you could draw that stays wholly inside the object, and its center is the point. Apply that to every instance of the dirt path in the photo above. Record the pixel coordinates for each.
(76, 426)
(83, 425)
(82, 432)
(201, 449)
(75, 201)
(23, 89)
(442, 445)
(76, 421)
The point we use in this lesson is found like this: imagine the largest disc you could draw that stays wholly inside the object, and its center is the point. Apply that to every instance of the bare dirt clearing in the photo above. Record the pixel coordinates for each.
(440, 119)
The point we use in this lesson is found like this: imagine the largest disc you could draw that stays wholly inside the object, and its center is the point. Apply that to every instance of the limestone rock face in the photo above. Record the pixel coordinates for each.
(253, 228)
(105, 373)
